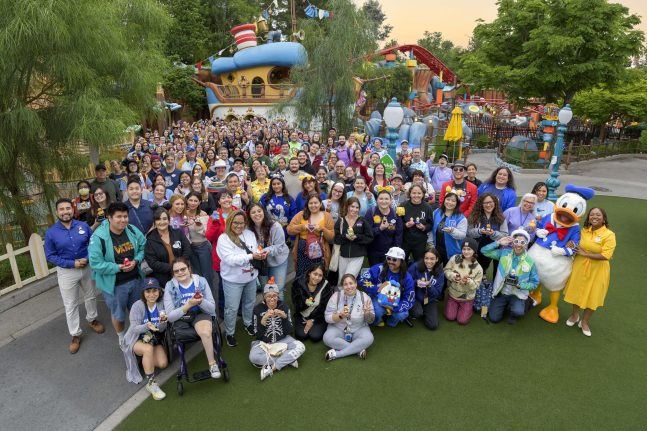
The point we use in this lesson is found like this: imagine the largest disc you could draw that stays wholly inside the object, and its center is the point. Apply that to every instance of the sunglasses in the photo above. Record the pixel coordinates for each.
(519, 242)
(179, 270)
(391, 259)
(458, 169)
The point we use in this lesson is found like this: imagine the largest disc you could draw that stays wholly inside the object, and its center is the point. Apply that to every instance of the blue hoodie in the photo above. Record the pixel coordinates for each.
(434, 289)
(371, 279)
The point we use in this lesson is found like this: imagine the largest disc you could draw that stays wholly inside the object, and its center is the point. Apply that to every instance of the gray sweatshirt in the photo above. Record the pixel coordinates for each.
(136, 328)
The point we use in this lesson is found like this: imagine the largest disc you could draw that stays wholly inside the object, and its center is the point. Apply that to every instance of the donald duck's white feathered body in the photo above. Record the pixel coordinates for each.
(558, 235)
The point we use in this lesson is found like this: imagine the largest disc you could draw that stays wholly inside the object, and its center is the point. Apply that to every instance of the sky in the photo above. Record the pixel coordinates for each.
(455, 19)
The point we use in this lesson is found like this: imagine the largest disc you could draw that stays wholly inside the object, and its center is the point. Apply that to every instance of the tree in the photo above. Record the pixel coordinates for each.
(396, 84)
(552, 48)
(627, 100)
(188, 37)
(70, 72)
(180, 88)
(222, 15)
(444, 49)
(373, 11)
(326, 88)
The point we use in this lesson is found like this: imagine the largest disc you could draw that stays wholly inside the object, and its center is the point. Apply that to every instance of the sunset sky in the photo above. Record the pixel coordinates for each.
(455, 18)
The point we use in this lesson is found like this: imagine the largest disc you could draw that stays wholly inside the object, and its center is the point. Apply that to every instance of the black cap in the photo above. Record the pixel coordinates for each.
(100, 167)
(458, 164)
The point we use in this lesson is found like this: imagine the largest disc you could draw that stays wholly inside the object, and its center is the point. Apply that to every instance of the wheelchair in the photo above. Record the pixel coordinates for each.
(179, 342)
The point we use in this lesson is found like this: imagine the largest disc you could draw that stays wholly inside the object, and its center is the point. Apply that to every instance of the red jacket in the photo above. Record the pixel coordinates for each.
(471, 196)
(215, 228)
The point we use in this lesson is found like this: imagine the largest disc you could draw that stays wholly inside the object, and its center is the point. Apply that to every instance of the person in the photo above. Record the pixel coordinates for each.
(272, 326)
(279, 204)
(261, 185)
(449, 228)
(439, 174)
(417, 217)
(543, 206)
(184, 184)
(115, 171)
(417, 164)
(109, 186)
(515, 277)
(398, 195)
(293, 178)
(270, 237)
(522, 217)
(259, 154)
(501, 185)
(465, 190)
(417, 177)
(429, 279)
(116, 250)
(589, 282)
(304, 163)
(207, 202)
(471, 174)
(236, 187)
(160, 195)
(83, 203)
(486, 225)
(366, 198)
(393, 272)
(100, 207)
(463, 274)
(308, 185)
(217, 181)
(315, 229)
(189, 304)
(387, 228)
(170, 173)
(349, 315)
(144, 338)
(310, 295)
(191, 160)
(337, 174)
(353, 234)
(164, 244)
(237, 248)
(140, 213)
(336, 200)
(379, 180)
(196, 220)
(66, 247)
(324, 183)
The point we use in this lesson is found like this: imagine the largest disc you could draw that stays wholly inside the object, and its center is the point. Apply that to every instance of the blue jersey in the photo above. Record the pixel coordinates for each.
(152, 316)
(187, 293)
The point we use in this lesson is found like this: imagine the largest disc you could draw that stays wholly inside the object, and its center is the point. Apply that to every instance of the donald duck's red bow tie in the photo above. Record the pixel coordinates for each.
(561, 231)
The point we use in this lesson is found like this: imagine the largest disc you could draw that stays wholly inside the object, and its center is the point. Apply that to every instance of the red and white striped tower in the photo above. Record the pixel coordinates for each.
(244, 35)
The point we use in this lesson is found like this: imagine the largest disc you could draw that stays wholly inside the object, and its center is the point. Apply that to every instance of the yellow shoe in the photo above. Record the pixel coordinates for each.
(381, 323)
(549, 314)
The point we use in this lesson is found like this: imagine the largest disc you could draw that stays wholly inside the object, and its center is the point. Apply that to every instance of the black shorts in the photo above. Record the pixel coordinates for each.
(184, 327)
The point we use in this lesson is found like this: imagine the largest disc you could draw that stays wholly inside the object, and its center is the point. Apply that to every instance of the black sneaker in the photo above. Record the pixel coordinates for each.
(512, 320)
(250, 330)
(231, 341)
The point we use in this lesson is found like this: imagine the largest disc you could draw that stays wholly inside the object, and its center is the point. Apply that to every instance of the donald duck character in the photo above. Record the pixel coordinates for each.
(558, 235)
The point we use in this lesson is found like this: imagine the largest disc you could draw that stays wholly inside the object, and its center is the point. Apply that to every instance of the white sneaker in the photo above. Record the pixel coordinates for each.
(215, 372)
(295, 364)
(266, 372)
(155, 390)
(362, 354)
(331, 355)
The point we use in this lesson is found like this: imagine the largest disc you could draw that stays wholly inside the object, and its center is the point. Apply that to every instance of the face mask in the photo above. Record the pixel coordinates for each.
(84, 191)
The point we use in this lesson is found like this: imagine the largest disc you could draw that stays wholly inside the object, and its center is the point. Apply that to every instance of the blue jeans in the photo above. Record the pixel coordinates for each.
(233, 294)
(501, 302)
(393, 319)
(201, 261)
(123, 297)
(279, 272)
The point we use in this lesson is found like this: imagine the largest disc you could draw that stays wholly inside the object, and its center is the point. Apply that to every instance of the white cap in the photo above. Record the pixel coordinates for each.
(219, 164)
(521, 232)
(396, 252)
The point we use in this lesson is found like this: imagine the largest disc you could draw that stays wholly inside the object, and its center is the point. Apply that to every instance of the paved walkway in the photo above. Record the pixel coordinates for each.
(43, 386)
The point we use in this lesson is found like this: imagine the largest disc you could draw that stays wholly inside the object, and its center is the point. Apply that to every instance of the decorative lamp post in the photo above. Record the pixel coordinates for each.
(393, 116)
(565, 115)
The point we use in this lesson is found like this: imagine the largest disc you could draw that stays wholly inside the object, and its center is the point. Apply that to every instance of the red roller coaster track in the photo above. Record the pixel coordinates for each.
(426, 58)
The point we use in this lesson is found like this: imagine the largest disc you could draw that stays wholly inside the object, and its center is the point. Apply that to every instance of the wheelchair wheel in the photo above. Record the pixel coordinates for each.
(180, 388)
(225, 374)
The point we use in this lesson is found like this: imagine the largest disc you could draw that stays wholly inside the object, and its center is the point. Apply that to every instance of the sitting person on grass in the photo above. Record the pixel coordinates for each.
(273, 348)
(464, 275)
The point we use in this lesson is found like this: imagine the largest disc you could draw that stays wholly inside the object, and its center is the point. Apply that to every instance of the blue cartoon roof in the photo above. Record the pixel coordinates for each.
(272, 54)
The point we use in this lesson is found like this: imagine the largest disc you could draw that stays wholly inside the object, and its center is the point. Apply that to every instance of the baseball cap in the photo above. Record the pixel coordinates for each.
(100, 167)
(150, 283)
(190, 148)
(396, 252)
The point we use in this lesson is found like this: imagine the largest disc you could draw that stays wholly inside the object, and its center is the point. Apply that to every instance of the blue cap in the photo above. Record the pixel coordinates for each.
(190, 148)
(150, 283)
(585, 192)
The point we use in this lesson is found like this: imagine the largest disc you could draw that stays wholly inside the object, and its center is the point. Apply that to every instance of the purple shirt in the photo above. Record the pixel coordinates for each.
(439, 176)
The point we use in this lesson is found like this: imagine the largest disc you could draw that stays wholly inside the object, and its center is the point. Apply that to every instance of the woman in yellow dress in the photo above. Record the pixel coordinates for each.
(589, 281)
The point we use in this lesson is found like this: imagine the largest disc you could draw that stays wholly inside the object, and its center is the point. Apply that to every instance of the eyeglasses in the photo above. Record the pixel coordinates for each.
(179, 270)
(238, 223)
(519, 242)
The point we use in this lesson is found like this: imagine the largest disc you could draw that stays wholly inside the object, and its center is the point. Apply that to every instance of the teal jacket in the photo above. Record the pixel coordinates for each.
(523, 265)
(102, 257)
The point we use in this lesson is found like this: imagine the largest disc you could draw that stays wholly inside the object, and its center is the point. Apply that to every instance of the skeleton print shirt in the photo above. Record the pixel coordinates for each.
(277, 327)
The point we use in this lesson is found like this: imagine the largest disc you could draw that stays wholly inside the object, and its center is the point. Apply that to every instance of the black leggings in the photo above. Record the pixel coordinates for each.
(417, 250)
(315, 333)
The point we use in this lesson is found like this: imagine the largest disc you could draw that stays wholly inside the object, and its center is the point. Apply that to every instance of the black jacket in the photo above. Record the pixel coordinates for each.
(300, 295)
(362, 230)
(421, 212)
(157, 257)
(277, 328)
(210, 205)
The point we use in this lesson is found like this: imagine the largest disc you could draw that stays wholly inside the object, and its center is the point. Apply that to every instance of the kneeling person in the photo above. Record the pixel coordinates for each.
(273, 348)
(515, 276)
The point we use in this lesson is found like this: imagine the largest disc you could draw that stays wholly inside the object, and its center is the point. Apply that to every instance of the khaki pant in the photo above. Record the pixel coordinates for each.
(75, 285)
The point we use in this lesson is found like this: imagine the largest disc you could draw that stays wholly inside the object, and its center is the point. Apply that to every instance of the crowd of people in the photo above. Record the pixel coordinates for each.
(199, 218)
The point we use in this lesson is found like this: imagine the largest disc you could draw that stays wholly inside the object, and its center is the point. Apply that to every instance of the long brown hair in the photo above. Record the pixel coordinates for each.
(478, 211)
(306, 209)
(230, 218)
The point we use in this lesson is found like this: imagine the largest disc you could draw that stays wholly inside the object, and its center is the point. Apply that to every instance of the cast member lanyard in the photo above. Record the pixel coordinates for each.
(349, 309)
(523, 223)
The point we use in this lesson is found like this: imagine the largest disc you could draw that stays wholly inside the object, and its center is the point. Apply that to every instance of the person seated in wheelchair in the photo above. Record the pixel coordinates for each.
(144, 338)
(273, 348)
(190, 305)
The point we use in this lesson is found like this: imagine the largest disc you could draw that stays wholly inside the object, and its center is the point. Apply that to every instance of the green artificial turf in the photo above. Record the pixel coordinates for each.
(532, 375)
